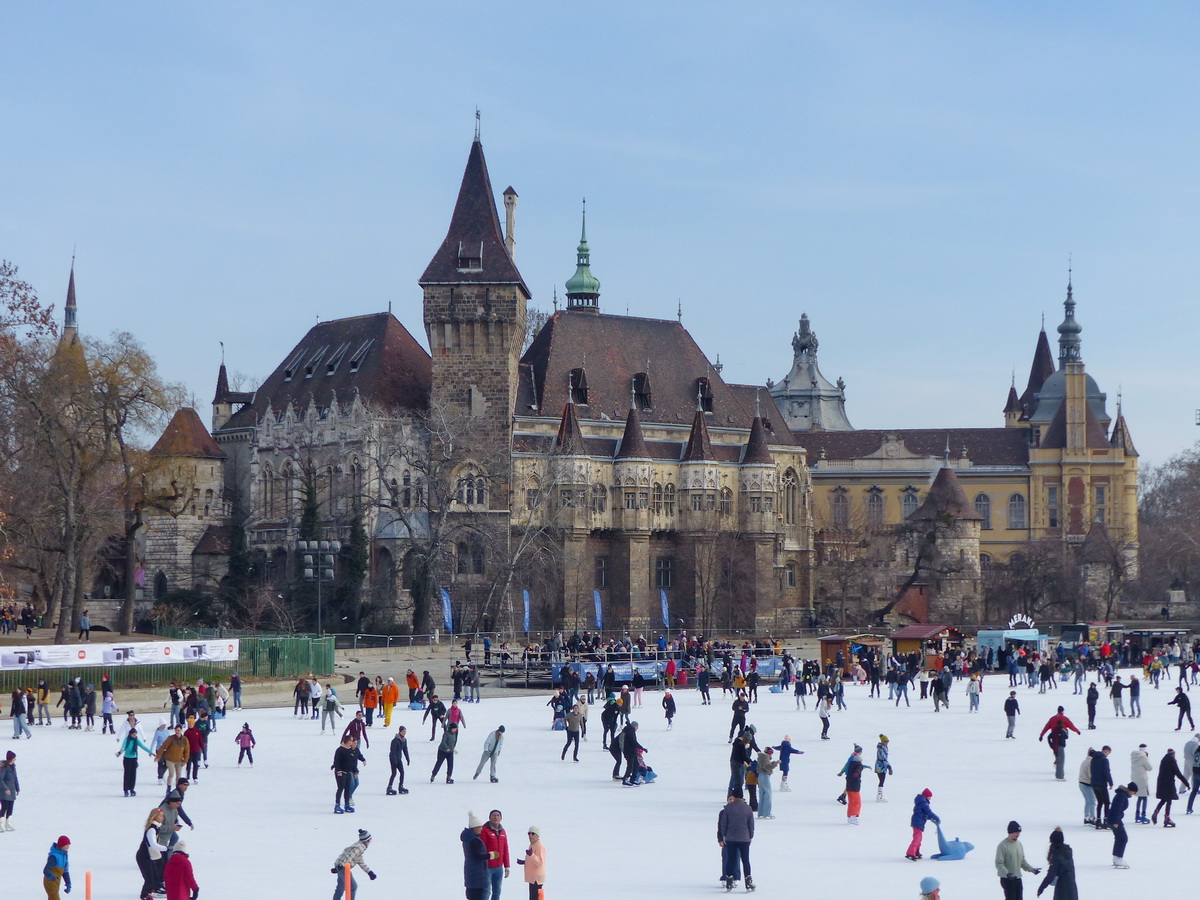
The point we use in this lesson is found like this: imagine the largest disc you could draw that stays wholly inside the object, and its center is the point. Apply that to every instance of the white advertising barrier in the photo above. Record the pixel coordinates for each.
(154, 653)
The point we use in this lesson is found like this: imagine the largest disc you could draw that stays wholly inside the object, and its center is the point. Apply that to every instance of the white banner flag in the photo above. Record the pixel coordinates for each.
(150, 653)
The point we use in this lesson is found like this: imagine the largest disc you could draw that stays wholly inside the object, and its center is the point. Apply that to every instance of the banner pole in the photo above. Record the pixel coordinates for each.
(349, 882)
(87, 885)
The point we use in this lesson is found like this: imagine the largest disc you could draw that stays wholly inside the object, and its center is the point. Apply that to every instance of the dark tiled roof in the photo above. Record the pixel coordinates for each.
(393, 371)
(699, 447)
(224, 395)
(611, 350)
(922, 632)
(633, 445)
(1120, 436)
(753, 396)
(570, 439)
(474, 223)
(757, 451)
(185, 435)
(1055, 436)
(215, 541)
(1041, 369)
(1013, 403)
(945, 498)
(985, 446)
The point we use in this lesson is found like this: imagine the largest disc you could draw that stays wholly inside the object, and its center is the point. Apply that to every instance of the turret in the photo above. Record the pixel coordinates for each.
(583, 288)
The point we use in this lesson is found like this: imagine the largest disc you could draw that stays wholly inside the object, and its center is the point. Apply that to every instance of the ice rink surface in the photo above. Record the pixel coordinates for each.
(270, 831)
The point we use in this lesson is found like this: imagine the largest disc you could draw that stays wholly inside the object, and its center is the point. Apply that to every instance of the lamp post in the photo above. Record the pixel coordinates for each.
(319, 560)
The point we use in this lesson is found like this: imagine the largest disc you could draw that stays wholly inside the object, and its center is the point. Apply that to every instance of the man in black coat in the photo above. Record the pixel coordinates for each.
(397, 757)
(739, 761)
(629, 749)
(1101, 782)
(1185, 708)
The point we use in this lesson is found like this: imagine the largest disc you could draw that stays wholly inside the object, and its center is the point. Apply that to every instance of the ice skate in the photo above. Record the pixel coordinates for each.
(1119, 863)
(729, 884)
(749, 883)
(879, 798)
(338, 810)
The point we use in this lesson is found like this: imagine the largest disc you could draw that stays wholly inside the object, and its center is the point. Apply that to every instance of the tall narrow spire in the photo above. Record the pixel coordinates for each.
(1068, 331)
(1041, 369)
(633, 445)
(583, 288)
(70, 311)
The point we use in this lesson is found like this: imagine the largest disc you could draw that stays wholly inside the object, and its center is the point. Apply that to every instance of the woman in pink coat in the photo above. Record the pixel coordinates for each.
(534, 864)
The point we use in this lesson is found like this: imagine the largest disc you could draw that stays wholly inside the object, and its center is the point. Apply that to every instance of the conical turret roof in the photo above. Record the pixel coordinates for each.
(1013, 403)
(633, 445)
(757, 451)
(185, 435)
(570, 439)
(1041, 369)
(1120, 435)
(699, 446)
(945, 498)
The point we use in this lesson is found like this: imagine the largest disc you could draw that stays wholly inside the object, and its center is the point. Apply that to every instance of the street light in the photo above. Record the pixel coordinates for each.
(319, 560)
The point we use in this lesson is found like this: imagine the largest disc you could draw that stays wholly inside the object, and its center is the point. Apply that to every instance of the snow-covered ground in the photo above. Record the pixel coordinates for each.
(270, 831)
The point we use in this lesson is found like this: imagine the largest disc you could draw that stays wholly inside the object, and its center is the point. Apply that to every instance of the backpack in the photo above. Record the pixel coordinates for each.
(1060, 736)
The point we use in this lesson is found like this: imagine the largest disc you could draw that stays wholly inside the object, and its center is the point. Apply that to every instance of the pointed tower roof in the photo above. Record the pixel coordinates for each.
(185, 435)
(945, 498)
(222, 384)
(1069, 343)
(1120, 435)
(757, 451)
(1041, 369)
(583, 288)
(473, 250)
(699, 446)
(570, 439)
(633, 445)
(1013, 403)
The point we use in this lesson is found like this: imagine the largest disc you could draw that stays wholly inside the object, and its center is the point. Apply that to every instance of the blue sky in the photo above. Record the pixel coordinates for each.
(913, 175)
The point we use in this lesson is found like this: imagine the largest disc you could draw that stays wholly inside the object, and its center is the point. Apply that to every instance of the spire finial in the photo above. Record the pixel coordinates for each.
(757, 410)
(679, 311)
(1014, 378)
(477, 124)
(556, 298)
(222, 343)
(583, 231)
(946, 456)
(570, 392)
(699, 395)
(632, 394)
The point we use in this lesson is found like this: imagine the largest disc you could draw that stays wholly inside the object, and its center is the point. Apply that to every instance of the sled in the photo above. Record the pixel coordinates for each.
(954, 849)
(776, 689)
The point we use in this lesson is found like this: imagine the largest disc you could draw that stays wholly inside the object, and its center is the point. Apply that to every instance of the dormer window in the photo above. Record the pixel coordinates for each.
(579, 391)
(331, 366)
(290, 369)
(704, 394)
(470, 256)
(314, 362)
(641, 391)
(357, 359)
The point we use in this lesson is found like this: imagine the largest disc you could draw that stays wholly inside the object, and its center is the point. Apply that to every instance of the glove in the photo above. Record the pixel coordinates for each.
(520, 862)
(333, 871)
(371, 875)
(1037, 871)
(889, 770)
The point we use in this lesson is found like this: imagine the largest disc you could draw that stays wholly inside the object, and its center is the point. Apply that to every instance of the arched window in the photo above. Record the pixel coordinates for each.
(839, 508)
(480, 491)
(160, 585)
(533, 492)
(289, 489)
(1016, 512)
(463, 559)
(789, 575)
(469, 557)
(405, 490)
(910, 500)
(356, 481)
(658, 498)
(983, 508)
(208, 502)
(599, 498)
(669, 500)
(472, 489)
(875, 506)
(267, 494)
(726, 507)
(791, 497)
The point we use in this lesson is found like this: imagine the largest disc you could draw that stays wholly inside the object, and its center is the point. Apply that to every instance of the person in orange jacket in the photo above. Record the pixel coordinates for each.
(414, 685)
(391, 696)
(370, 701)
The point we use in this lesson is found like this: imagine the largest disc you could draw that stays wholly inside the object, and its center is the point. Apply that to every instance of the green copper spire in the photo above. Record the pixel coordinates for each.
(583, 288)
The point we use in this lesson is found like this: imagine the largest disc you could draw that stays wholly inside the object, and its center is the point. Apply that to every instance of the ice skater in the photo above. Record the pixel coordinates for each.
(668, 705)
(882, 767)
(397, 757)
(352, 856)
(786, 752)
(1116, 824)
(1060, 869)
(1011, 862)
(1168, 772)
(1012, 709)
(1058, 725)
(1140, 768)
(491, 752)
(735, 831)
(922, 813)
(1185, 708)
(245, 741)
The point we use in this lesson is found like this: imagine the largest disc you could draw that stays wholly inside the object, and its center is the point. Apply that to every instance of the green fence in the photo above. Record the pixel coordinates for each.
(278, 656)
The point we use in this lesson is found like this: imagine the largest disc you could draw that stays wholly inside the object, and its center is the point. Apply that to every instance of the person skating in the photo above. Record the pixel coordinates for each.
(740, 708)
(629, 749)
(767, 764)
(1185, 708)
(534, 863)
(786, 752)
(173, 754)
(1012, 709)
(882, 767)
(1092, 698)
(703, 677)
(1135, 698)
(389, 697)
(352, 856)
(1011, 862)
(931, 888)
(149, 856)
(178, 876)
(129, 751)
(1060, 869)
(245, 741)
(922, 813)
(1085, 788)
(668, 705)
(1116, 691)
(1058, 725)
(476, 857)
(573, 724)
(492, 745)
(1101, 781)
(739, 761)
(345, 771)
(56, 873)
(445, 753)
(824, 709)
(1140, 768)
(1168, 772)
(436, 710)
(357, 729)
(495, 839)
(331, 706)
(10, 789)
(1116, 823)
(735, 831)
(854, 770)
(397, 757)
(608, 721)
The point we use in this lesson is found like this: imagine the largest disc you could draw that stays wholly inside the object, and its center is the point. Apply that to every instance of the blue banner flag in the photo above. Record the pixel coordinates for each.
(666, 610)
(526, 594)
(447, 616)
(599, 617)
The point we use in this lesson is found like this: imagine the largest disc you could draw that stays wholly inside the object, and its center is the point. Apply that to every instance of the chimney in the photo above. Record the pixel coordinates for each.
(510, 216)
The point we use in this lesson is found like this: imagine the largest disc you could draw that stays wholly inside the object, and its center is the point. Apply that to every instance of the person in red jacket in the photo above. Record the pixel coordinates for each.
(195, 739)
(495, 839)
(1058, 725)
(178, 877)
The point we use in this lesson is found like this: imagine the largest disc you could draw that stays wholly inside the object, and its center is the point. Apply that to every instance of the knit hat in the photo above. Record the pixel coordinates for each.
(10, 756)
(634, 724)
(1056, 836)
(473, 821)
(182, 781)
(929, 884)
(501, 728)
(857, 748)
(63, 842)
(927, 794)
(1013, 826)
(181, 847)
(174, 797)
(533, 829)
(883, 739)
(364, 835)
(770, 750)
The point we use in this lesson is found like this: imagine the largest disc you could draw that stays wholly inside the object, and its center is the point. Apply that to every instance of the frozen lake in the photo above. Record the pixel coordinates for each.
(270, 831)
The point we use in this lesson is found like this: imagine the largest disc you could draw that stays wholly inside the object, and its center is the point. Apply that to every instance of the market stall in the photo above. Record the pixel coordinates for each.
(931, 641)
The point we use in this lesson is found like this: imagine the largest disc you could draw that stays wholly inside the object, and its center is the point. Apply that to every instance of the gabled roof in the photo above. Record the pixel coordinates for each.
(918, 632)
(633, 445)
(474, 224)
(1097, 546)
(945, 498)
(757, 451)
(186, 436)
(570, 439)
(1120, 435)
(985, 446)
(699, 447)
(216, 541)
(1041, 369)
(1055, 436)
(373, 356)
(612, 350)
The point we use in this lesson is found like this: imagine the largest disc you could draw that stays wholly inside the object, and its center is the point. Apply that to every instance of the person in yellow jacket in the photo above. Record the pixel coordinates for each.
(390, 697)
(534, 864)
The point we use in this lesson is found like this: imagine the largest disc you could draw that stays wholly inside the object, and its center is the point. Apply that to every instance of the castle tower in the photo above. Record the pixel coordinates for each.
(808, 400)
(947, 526)
(631, 594)
(583, 288)
(474, 311)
